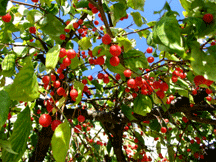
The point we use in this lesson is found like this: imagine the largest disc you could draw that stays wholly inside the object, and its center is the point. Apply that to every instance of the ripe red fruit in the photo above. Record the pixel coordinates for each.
(9, 116)
(106, 39)
(163, 130)
(114, 61)
(150, 59)
(149, 50)
(199, 79)
(100, 60)
(115, 50)
(96, 22)
(73, 93)
(106, 80)
(75, 25)
(66, 61)
(118, 77)
(164, 86)
(71, 54)
(208, 91)
(184, 119)
(35, 1)
(174, 78)
(67, 30)
(171, 97)
(84, 81)
(94, 10)
(55, 124)
(80, 21)
(6, 18)
(32, 30)
(209, 98)
(131, 83)
(77, 128)
(100, 76)
(208, 18)
(160, 94)
(62, 53)
(90, 5)
(81, 118)
(45, 120)
(46, 79)
(60, 91)
(57, 84)
(38, 111)
(90, 78)
(127, 73)
(62, 37)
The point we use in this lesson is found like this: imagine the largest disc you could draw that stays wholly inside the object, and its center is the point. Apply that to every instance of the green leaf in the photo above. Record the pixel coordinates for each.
(137, 18)
(20, 51)
(136, 4)
(34, 15)
(51, 26)
(171, 153)
(135, 59)
(65, 8)
(125, 42)
(163, 34)
(82, 4)
(19, 137)
(61, 2)
(52, 57)
(158, 147)
(75, 62)
(97, 85)
(128, 112)
(8, 65)
(4, 107)
(25, 85)
(79, 87)
(60, 141)
(203, 63)
(119, 11)
(142, 105)
(143, 33)
(166, 7)
(7, 146)
(85, 43)
(3, 6)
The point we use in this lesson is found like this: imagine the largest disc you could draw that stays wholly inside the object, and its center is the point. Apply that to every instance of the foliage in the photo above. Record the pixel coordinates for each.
(47, 47)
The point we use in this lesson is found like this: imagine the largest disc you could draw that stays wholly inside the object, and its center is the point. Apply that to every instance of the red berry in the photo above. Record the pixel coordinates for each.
(38, 111)
(6, 18)
(94, 10)
(160, 94)
(77, 128)
(127, 73)
(45, 120)
(71, 54)
(100, 76)
(90, 5)
(32, 30)
(84, 81)
(46, 79)
(106, 80)
(106, 39)
(60, 91)
(184, 119)
(150, 59)
(199, 79)
(9, 116)
(208, 18)
(96, 22)
(114, 61)
(131, 83)
(90, 78)
(73, 93)
(80, 21)
(62, 53)
(118, 77)
(55, 124)
(115, 50)
(209, 98)
(174, 78)
(66, 61)
(149, 50)
(163, 130)
(62, 37)
(57, 84)
(35, 1)
(67, 30)
(75, 25)
(100, 60)
(81, 118)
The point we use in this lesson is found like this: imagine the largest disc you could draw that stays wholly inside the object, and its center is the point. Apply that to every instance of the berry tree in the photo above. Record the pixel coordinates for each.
(166, 91)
